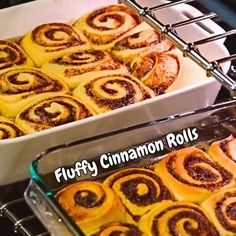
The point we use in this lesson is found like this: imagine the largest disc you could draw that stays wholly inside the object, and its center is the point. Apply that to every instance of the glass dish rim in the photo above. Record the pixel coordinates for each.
(33, 168)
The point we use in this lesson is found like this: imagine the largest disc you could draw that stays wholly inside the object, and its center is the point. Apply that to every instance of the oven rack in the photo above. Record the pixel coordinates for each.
(189, 49)
(14, 208)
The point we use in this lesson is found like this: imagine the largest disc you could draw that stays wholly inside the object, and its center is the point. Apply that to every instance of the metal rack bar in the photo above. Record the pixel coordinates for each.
(200, 18)
(215, 37)
(20, 224)
(188, 49)
(225, 59)
(171, 4)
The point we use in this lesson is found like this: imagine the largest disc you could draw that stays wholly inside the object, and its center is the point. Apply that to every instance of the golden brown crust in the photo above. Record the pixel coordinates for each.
(8, 129)
(25, 82)
(111, 92)
(120, 229)
(105, 25)
(19, 86)
(51, 112)
(139, 189)
(12, 55)
(224, 152)
(221, 207)
(156, 70)
(177, 218)
(46, 36)
(91, 205)
(48, 41)
(138, 44)
(76, 66)
(191, 174)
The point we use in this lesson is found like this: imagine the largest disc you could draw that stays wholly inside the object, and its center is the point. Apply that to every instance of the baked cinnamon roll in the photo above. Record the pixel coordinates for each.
(221, 208)
(21, 85)
(76, 66)
(12, 55)
(50, 112)
(224, 152)
(156, 70)
(177, 218)
(104, 26)
(110, 92)
(140, 44)
(8, 129)
(139, 190)
(52, 40)
(91, 205)
(119, 229)
(192, 175)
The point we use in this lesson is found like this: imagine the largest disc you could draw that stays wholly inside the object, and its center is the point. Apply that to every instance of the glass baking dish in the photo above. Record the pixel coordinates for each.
(212, 123)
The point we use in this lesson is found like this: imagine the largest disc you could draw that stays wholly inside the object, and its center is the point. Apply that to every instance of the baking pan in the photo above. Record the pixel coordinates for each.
(213, 123)
(193, 89)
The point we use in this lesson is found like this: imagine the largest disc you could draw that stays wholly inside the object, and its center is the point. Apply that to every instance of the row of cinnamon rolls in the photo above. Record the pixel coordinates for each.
(189, 192)
(106, 60)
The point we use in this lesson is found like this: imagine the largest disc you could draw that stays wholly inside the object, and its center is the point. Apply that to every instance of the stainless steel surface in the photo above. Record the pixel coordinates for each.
(188, 49)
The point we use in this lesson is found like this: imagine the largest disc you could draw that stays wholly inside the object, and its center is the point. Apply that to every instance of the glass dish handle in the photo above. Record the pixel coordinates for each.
(43, 211)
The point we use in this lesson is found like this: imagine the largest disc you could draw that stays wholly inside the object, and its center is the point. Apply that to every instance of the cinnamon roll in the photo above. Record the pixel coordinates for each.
(110, 92)
(52, 40)
(192, 175)
(224, 152)
(140, 44)
(139, 190)
(91, 205)
(123, 229)
(157, 71)
(221, 208)
(12, 55)
(50, 112)
(8, 129)
(76, 66)
(177, 218)
(104, 26)
(21, 85)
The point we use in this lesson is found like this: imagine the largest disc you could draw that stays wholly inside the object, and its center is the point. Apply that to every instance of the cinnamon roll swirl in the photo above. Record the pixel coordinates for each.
(76, 66)
(140, 44)
(157, 71)
(221, 207)
(104, 26)
(192, 175)
(110, 92)
(177, 218)
(139, 190)
(8, 129)
(91, 205)
(21, 85)
(51, 112)
(52, 40)
(224, 152)
(119, 229)
(12, 55)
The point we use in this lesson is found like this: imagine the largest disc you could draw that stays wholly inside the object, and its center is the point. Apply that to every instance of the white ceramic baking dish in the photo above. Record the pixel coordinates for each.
(192, 90)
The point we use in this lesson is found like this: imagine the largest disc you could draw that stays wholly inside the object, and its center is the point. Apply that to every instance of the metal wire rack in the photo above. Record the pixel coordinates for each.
(14, 207)
(189, 49)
